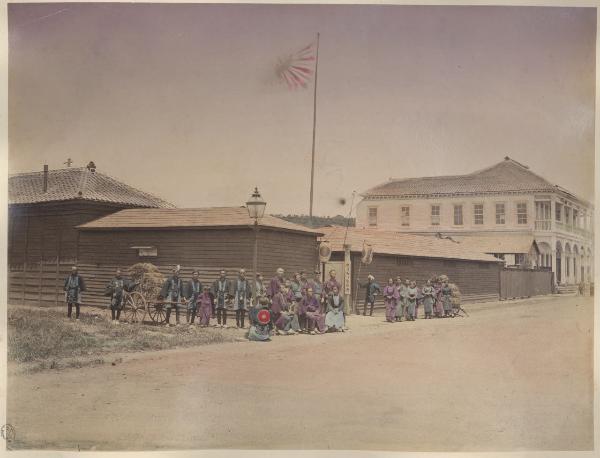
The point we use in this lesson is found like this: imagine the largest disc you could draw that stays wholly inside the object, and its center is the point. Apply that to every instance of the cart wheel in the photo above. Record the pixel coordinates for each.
(135, 307)
(157, 312)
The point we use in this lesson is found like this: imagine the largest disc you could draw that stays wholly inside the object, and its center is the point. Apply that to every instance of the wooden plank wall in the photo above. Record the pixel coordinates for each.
(102, 252)
(518, 283)
(477, 281)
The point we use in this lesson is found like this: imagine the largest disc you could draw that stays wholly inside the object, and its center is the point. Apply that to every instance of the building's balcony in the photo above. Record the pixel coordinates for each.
(559, 226)
(543, 225)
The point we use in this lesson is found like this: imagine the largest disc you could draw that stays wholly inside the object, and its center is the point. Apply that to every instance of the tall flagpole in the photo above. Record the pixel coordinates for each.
(312, 164)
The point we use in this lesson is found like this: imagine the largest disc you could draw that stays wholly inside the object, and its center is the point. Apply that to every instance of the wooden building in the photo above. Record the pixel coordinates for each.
(516, 250)
(413, 257)
(44, 210)
(204, 239)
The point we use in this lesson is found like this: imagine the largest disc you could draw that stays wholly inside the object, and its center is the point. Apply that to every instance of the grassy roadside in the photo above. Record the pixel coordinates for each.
(41, 339)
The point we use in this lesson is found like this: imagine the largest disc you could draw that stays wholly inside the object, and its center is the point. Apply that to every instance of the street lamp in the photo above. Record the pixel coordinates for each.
(256, 210)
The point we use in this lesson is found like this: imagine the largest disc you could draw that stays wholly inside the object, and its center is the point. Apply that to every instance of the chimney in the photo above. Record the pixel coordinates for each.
(45, 177)
(91, 166)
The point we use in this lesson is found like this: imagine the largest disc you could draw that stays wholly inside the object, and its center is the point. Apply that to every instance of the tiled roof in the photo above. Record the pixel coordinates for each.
(498, 243)
(179, 218)
(401, 244)
(506, 176)
(77, 183)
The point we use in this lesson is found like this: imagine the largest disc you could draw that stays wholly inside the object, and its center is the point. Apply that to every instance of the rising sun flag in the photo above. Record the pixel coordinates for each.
(296, 70)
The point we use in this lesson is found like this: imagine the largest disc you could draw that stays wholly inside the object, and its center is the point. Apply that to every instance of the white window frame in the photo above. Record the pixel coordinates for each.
(462, 214)
(475, 223)
(432, 216)
(496, 213)
(404, 219)
(369, 218)
(520, 214)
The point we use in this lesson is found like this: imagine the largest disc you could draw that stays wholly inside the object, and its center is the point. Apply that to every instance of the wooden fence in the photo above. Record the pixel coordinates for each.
(518, 283)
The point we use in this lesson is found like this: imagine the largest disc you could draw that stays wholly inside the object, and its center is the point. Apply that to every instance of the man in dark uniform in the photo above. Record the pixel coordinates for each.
(115, 290)
(171, 292)
(192, 292)
(222, 291)
(74, 286)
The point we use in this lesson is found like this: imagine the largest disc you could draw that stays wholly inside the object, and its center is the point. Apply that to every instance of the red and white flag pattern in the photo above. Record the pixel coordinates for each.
(296, 70)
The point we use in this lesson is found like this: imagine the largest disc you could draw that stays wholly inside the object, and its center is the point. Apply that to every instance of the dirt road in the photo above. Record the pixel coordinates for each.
(510, 377)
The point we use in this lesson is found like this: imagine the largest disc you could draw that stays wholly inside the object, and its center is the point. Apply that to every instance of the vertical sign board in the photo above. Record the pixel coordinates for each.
(347, 279)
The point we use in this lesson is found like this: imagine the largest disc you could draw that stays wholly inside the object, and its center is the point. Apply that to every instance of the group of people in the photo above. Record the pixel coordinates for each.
(402, 299)
(282, 306)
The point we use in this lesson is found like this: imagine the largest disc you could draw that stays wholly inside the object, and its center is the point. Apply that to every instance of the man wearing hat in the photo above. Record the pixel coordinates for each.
(172, 292)
(74, 286)
(372, 289)
(242, 292)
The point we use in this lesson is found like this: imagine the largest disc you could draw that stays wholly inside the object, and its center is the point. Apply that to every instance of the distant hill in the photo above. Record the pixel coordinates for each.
(318, 221)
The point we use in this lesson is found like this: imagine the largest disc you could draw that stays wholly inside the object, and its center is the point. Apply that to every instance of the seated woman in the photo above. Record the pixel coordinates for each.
(261, 322)
(315, 320)
(334, 319)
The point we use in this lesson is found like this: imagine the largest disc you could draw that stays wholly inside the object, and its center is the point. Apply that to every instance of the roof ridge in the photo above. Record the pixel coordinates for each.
(22, 174)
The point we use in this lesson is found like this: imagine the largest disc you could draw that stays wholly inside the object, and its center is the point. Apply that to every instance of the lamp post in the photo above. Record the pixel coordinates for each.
(256, 210)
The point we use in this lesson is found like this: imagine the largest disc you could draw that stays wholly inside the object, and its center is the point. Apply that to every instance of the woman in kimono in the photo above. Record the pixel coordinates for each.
(428, 299)
(400, 303)
(390, 297)
(242, 293)
(447, 300)
(315, 320)
(419, 301)
(261, 322)
(205, 304)
(334, 319)
(411, 298)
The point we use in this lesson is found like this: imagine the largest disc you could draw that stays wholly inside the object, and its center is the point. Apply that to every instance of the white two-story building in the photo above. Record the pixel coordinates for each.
(505, 209)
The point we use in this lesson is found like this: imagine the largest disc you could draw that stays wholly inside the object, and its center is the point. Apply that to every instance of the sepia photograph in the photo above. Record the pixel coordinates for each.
(305, 227)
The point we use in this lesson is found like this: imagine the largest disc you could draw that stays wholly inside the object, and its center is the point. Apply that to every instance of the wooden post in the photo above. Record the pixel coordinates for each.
(347, 279)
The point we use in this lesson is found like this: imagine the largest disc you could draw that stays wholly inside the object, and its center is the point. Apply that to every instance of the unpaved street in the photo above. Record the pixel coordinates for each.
(514, 376)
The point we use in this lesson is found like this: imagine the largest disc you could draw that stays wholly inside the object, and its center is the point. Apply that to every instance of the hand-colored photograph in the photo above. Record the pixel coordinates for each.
(300, 227)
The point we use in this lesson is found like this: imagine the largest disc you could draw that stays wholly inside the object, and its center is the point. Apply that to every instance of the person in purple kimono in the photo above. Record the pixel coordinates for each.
(331, 283)
(390, 297)
(276, 283)
(287, 320)
(315, 320)
(204, 306)
(304, 283)
(279, 303)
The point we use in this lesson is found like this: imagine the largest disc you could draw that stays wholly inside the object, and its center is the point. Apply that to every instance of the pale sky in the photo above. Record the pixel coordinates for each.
(181, 100)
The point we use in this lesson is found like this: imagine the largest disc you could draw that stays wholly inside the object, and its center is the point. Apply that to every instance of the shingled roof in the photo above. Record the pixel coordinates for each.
(77, 183)
(189, 218)
(499, 243)
(400, 244)
(506, 176)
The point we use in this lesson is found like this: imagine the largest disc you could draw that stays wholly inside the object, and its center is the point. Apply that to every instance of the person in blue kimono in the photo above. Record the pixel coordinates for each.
(74, 286)
(221, 290)
(242, 296)
(172, 292)
(428, 299)
(192, 293)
